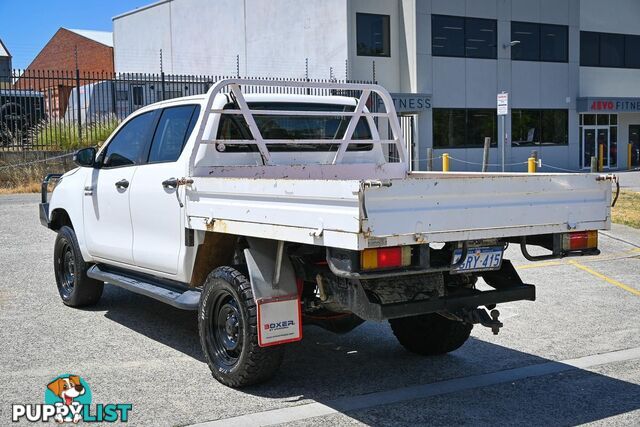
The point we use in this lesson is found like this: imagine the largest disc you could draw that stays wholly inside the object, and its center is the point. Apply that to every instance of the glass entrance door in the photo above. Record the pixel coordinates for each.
(634, 142)
(592, 138)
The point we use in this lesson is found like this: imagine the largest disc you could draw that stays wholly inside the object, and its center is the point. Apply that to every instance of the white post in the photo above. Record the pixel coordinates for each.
(504, 140)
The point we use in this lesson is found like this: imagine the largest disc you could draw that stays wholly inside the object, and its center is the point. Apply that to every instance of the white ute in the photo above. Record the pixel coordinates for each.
(266, 205)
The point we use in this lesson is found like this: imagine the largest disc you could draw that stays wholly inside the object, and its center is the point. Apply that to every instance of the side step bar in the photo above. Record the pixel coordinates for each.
(184, 300)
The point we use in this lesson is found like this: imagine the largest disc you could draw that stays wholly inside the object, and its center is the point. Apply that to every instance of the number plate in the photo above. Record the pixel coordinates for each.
(478, 259)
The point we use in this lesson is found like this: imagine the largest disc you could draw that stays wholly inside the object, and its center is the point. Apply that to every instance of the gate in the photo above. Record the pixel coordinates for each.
(407, 125)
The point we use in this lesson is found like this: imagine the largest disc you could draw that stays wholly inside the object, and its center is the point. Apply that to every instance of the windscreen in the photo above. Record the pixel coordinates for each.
(292, 127)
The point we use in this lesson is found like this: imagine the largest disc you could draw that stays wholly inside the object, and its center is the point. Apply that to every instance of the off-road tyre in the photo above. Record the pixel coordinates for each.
(430, 334)
(75, 287)
(227, 325)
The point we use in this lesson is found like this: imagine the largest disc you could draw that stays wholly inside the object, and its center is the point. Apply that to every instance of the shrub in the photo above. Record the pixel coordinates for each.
(66, 136)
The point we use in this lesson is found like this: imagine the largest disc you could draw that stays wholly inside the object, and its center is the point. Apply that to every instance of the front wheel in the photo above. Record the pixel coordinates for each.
(430, 334)
(227, 324)
(74, 286)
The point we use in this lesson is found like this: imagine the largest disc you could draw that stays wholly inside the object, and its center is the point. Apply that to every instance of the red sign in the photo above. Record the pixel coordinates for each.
(602, 105)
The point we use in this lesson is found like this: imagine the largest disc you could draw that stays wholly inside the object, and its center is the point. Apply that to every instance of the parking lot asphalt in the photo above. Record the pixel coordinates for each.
(571, 357)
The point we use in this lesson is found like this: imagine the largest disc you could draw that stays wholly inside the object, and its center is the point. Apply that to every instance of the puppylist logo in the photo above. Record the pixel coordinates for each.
(67, 398)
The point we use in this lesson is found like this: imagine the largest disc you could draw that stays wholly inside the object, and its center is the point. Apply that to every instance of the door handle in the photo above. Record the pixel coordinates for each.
(88, 190)
(170, 183)
(123, 183)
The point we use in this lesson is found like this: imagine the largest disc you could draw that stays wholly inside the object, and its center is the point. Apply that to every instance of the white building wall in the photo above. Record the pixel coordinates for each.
(139, 37)
(209, 37)
(387, 70)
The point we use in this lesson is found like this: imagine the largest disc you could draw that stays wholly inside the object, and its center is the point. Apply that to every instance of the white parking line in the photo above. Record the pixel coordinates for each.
(311, 410)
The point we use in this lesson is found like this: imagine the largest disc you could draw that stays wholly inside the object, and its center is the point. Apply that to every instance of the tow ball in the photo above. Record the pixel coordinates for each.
(481, 316)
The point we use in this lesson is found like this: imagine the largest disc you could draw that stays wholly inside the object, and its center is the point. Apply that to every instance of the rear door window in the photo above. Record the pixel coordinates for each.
(292, 127)
(173, 130)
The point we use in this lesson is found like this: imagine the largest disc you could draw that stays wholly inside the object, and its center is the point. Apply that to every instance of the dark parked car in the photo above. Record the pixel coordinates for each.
(19, 111)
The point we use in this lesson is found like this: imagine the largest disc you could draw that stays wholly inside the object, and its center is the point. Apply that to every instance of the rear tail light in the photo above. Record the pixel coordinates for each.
(579, 240)
(398, 256)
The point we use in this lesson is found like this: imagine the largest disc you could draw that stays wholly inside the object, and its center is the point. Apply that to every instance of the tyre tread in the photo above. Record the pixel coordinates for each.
(260, 363)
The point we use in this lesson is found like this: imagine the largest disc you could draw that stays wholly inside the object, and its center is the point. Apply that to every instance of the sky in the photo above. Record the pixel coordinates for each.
(27, 25)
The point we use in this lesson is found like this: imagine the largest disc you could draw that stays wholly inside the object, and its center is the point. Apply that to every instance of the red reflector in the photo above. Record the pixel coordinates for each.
(389, 257)
(580, 240)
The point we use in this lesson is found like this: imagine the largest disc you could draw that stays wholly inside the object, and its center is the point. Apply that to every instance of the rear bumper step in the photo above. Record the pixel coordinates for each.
(184, 300)
(453, 303)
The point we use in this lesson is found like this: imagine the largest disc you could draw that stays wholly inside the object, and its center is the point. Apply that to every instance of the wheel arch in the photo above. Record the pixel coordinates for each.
(59, 218)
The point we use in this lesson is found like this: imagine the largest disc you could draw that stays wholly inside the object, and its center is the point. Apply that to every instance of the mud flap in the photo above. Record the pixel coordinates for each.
(279, 314)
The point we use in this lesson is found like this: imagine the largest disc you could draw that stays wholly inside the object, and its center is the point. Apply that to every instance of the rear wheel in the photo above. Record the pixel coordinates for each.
(430, 334)
(74, 286)
(227, 324)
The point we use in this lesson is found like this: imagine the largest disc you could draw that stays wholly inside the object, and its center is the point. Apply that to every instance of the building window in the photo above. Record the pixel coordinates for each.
(609, 50)
(539, 127)
(463, 37)
(480, 38)
(460, 128)
(539, 42)
(589, 49)
(632, 51)
(373, 34)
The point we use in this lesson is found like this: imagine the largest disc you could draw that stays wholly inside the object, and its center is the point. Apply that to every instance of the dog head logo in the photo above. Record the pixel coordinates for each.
(68, 393)
(67, 388)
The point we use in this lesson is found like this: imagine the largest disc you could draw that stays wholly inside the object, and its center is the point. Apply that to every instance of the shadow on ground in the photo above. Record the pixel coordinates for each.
(326, 368)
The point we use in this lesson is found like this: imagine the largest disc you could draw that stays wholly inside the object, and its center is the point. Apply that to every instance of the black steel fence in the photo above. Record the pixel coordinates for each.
(65, 110)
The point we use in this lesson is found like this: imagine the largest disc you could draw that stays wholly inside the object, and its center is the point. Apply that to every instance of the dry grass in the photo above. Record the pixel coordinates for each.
(27, 179)
(627, 209)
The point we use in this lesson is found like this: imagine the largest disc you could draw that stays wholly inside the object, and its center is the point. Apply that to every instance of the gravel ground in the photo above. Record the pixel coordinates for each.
(131, 349)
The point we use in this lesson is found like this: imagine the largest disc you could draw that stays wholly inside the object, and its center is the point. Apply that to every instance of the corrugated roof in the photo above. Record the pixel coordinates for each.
(103, 37)
(3, 50)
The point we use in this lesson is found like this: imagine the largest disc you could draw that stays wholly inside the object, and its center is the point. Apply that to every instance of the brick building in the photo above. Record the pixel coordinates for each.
(67, 51)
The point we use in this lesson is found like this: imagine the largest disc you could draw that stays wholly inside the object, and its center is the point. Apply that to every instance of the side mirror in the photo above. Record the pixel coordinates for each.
(85, 157)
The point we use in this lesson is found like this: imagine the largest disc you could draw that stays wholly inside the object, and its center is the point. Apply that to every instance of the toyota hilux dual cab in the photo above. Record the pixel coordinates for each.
(268, 205)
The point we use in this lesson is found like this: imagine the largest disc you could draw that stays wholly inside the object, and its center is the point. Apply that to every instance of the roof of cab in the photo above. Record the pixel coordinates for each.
(258, 97)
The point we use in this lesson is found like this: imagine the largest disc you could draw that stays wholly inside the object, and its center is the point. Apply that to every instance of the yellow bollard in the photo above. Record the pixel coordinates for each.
(445, 162)
(629, 156)
(531, 165)
(600, 157)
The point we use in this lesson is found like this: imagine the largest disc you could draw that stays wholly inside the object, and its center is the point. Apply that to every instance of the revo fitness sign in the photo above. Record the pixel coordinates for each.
(608, 105)
(409, 102)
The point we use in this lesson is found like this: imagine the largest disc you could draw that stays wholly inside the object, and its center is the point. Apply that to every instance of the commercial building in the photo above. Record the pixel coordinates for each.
(571, 68)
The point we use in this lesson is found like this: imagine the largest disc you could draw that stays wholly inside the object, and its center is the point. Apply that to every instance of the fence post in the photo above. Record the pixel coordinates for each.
(445, 162)
(485, 153)
(531, 165)
(600, 157)
(629, 153)
(429, 159)
(79, 112)
(113, 97)
(162, 85)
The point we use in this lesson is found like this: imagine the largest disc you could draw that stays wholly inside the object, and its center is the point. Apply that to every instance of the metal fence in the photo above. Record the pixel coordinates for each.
(65, 110)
